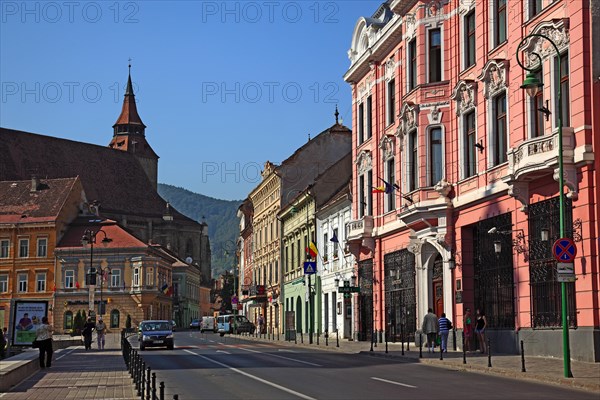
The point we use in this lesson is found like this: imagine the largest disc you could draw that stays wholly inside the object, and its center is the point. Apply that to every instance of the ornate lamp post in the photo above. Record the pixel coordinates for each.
(89, 237)
(532, 85)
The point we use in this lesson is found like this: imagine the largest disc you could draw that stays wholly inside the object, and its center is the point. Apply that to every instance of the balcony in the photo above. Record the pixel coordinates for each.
(360, 235)
(538, 157)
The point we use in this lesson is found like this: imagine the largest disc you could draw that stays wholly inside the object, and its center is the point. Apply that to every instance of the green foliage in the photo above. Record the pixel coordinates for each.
(219, 215)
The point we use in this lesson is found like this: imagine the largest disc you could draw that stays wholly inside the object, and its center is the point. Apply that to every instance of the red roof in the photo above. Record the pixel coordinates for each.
(120, 237)
(19, 204)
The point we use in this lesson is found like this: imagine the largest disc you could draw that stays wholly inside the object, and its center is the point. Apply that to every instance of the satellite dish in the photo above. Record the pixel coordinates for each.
(189, 260)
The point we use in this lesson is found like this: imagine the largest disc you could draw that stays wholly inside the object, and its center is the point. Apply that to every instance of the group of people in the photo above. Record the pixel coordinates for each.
(433, 326)
(88, 328)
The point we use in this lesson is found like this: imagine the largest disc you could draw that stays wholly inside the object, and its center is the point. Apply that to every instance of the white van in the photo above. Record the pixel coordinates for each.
(208, 324)
(225, 324)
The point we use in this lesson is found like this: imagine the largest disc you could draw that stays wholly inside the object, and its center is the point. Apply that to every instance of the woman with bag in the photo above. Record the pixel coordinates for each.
(43, 337)
(88, 328)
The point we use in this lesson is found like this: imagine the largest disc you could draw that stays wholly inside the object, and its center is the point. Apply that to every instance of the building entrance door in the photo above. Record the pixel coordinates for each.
(438, 285)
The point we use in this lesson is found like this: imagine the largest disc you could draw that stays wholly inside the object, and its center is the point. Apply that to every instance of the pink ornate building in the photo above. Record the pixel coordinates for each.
(467, 167)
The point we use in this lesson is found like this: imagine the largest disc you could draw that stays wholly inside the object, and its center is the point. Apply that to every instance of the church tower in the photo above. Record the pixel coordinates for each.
(129, 134)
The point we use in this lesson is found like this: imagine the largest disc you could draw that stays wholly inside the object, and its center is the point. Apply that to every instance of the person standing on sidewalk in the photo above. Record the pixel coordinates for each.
(430, 328)
(480, 330)
(261, 323)
(468, 329)
(444, 326)
(100, 331)
(88, 328)
(43, 335)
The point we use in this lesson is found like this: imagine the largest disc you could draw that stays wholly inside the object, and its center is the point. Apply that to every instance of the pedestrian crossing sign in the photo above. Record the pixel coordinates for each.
(310, 267)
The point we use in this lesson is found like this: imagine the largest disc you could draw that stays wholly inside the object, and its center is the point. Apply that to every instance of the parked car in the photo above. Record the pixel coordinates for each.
(156, 333)
(208, 324)
(225, 324)
(195, 324)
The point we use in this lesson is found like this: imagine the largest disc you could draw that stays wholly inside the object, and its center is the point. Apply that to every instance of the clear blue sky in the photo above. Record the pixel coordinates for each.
(223, 86)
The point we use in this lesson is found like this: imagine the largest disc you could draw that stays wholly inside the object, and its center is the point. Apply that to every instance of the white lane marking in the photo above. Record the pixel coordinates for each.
(285, 358)
(66, 354)
(285, 350)
(256, 378)
(223, 351)
(394, 383)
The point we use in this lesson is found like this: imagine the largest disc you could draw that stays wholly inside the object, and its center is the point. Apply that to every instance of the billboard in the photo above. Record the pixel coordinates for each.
(27, 317)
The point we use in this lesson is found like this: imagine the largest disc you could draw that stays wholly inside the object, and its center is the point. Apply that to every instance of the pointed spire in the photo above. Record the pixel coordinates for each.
(129, 90)
(129, 122)
(337, 114)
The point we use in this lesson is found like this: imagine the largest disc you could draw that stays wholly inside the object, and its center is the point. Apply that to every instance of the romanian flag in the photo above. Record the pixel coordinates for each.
(164, 288)
(378, 189)
(387, 187)
(334, 239)
(312, 250)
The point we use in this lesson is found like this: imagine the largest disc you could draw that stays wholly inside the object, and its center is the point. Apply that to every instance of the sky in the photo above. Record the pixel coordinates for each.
(222, 86)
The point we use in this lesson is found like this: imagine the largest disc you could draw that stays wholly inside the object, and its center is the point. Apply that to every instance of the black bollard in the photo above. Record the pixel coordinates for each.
(326, 339)
(154, 385)
(464, 348)
(522, 358)
(301, 337)
(454, 338)
(318, 334)
(489, 349)
(420, 345)
(337, 338)
(143, 380)
(148, 384)
(372, 338)
(386, 342)
(441, 351)
(295, 337)
(402, 346)
(175, 397)
(161, 391)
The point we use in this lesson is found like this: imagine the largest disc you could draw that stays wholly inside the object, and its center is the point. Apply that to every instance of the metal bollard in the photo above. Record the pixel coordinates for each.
(161, 395)
(148, 384)
(295, 337)
(326, 339)
(337, 338)
(402, 342)
(489, 349)
(454, 338)
(301, 337)
(522, 358)
(318, 334)
(143, 380)
(153, 385)
(464, 348)
(420, 345)
(138, 383)
(441, 352)
(175, 397)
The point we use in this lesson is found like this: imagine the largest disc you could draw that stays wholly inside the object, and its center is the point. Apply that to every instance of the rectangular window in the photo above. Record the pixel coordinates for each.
(564, 89)
(115, 278)
(470, 151)
(391, 101)
(69, 279)
(333, 310)
(435, 55)
(287, 258)
(326, 308)
(4, 283)
(4, 248)
(361, 198)
(369, 117)
(149, 277)
(298, 253)
(412, 64)
(23, 248)
(325, 246)
(413, 166)
(390, 178)
(22, 281)
(40, 279)
(500, 28)
(361, 123)
(500, 129)
(42, 247)
(369, 193)
(435, 156)
(335, 245)
(470, 39)
(537, 103)
(136, 277)
(535, 7)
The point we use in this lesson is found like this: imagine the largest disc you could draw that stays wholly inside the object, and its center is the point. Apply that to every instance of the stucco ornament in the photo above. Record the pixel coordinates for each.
(465, 6)
(537, 47)
(386, 144)
(443, 187)
(464, 94)
(364, 162)
(415, 245)
(494, 77)
(408, 121)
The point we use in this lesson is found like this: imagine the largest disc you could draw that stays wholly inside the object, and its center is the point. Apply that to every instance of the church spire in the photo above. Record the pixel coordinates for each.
(129, 122)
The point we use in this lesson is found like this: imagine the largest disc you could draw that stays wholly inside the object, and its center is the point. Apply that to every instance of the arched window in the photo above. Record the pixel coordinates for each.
(68, 320)
(114, 318)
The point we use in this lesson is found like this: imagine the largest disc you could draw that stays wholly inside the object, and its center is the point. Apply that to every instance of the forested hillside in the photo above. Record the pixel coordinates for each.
(220, 215)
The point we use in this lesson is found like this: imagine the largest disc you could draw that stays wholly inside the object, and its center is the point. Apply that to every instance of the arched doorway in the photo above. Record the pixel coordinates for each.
(437, 282)
(115, 318)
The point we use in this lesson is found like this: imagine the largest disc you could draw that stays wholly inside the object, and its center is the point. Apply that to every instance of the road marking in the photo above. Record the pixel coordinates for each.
(223, 351)
(66, 354)
(290, 391)
(285, 350)
(285, 358)
(394, 383)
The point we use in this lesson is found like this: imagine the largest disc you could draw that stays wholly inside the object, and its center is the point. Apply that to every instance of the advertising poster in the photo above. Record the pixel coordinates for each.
(27, 318)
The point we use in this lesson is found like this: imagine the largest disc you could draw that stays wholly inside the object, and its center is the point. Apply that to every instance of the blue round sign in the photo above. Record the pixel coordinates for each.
(564, 250)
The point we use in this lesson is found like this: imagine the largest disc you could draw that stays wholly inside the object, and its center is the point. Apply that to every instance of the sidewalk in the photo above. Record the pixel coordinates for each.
(80, 374)
(586, 376)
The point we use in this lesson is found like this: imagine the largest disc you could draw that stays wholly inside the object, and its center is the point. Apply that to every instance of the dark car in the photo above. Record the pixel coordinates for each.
(156, 333)
(195, 324)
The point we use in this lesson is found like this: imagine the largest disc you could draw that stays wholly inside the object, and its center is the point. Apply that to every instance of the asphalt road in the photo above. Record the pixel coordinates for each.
(206, 366)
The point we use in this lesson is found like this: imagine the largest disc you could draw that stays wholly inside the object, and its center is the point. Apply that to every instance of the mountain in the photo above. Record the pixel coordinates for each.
(220, 215)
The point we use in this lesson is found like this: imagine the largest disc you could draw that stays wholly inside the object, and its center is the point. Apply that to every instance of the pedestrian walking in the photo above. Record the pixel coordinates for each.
(101, 332)
(480, 330)
(444, 325)
(430, 327)
(261, 323)
(88, 328)
(468, 329)
(43, 335)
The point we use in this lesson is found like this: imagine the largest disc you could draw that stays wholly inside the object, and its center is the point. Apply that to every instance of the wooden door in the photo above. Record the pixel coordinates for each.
(438, 290)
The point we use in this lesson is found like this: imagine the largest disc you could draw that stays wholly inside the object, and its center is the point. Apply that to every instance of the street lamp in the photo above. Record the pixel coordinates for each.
(532, 85)
(89, 237)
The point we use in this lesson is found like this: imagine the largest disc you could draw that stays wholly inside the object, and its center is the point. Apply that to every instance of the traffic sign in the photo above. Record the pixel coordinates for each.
(564, 250)
(349, 289)
(310, 267)
(565, 272)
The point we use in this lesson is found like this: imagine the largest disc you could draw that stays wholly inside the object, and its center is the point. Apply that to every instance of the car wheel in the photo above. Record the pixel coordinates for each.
(222, 334)
(142, 347)
(170, 347)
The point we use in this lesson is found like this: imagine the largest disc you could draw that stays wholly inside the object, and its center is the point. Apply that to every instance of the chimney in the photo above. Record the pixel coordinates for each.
(35, 182)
